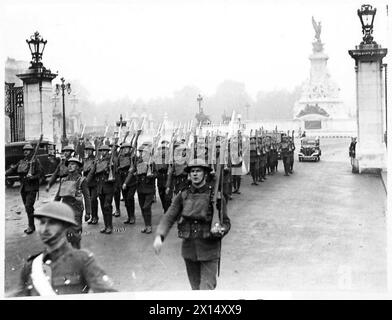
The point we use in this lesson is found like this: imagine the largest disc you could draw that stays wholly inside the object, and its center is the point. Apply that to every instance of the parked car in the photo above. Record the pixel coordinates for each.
(46, 155)
(310, 149)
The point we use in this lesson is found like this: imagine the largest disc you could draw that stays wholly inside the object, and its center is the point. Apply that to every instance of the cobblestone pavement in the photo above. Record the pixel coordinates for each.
(321, 229)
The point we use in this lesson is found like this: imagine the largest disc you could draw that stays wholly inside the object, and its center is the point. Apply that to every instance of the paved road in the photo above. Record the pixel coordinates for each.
(323, 228)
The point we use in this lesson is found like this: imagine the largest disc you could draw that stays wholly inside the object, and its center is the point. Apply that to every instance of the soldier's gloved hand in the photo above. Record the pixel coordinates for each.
(157, 244)
(167, 191)
(124, 186)
(217, 231)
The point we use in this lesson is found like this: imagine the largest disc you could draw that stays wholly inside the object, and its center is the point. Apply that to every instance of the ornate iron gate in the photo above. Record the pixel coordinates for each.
(14, 109)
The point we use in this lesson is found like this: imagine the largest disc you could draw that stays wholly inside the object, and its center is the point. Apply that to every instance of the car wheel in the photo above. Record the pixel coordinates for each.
(9, 183)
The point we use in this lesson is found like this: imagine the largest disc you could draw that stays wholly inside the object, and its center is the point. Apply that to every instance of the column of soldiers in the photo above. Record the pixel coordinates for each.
(116, 170)
(172, 167)
(265, 148)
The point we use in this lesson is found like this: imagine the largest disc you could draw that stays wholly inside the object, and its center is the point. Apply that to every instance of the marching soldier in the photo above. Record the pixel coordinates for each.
(253, 160)
(72, 189)
(236, 162)
(117, 184)
(145, 175)
(285, 155)
(193, 209)
(177, 177)
(88, 164)
(259, 159)
(29, 174)
(61, 170)
(105, 188)
(59, 268)
(125, 162)
(263, 161)
(291, 154)
(273, 158)
(162, 167)
(80, 148)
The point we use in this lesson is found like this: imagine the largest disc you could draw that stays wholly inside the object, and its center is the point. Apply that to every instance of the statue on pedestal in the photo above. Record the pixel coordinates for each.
(317, 45)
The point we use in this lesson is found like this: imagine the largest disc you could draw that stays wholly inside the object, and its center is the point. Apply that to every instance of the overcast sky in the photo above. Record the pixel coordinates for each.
(145, 49)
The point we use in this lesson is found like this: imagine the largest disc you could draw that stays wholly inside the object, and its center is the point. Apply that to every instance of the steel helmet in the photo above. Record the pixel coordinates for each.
(165, 142)
(104, 147)
(89, 147)
(28, 146)
(68, 148)
(73, 159)
(197, 163)
(57, 210)
(145, 146)
(126, 145)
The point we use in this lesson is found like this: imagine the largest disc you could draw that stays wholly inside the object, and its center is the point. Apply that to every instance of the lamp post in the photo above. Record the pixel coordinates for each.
(120, 124)
(199, 100)
(366, 15)
(36, 46)
(62, 87)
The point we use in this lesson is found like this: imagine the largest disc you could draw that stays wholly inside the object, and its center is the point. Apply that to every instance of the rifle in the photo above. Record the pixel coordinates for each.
(171, 161)
(32, 160)
(216, 223)
(154, 145)
(111, 175)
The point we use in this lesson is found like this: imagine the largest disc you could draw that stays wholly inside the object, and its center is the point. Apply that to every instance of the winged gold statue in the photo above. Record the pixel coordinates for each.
(317, 29)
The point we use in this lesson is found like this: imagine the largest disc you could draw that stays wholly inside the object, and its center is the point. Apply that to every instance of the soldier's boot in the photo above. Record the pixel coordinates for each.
(31, 227)
(103, 230)
(130, 206)
(147, 221)
(238, 185)
(109, 228)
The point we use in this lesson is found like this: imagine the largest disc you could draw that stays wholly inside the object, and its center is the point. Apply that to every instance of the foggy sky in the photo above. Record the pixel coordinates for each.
(147, 49)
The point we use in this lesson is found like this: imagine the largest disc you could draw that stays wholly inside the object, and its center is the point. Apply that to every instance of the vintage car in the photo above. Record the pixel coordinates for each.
(310, 149)
(46, 154)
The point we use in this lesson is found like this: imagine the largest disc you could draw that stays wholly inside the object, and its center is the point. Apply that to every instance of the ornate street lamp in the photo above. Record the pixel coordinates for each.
(120, 124)
(36, 46)
(366, 15)
(62, 88)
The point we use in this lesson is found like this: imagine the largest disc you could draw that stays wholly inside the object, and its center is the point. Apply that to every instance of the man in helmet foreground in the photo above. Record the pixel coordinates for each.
(59, 268)
(193, 209)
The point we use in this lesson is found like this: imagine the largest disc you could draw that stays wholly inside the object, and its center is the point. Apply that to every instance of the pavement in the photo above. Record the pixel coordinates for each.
(320, 229)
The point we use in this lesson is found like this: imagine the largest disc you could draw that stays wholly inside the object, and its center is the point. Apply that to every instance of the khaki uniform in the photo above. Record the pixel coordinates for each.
(192, 208)
(29, 187)
(72, 190)
(70, 271)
